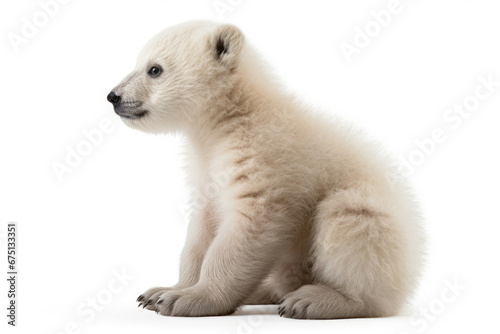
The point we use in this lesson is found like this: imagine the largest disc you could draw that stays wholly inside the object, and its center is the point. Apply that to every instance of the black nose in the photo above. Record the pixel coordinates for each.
(113, 98)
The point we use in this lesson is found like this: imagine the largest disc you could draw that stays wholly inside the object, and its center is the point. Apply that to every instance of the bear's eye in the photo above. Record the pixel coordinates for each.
(154, 71)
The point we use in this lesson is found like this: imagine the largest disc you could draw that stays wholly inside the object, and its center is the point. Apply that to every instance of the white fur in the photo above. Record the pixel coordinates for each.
(306, 218)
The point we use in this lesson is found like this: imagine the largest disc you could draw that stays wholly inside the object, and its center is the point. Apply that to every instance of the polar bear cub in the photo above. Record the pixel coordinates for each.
(307, 219)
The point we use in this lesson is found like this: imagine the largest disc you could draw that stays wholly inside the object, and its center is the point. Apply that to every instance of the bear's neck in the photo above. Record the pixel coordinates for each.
(237, 110)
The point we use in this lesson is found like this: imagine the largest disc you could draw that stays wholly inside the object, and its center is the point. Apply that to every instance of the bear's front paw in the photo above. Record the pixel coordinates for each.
(191, 302)
(149, 298)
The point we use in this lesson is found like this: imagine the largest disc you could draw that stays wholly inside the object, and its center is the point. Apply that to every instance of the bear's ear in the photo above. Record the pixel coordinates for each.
(226, 44)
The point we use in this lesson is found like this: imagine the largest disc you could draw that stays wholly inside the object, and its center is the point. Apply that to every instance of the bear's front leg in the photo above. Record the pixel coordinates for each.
(201, 232)
(247, 244)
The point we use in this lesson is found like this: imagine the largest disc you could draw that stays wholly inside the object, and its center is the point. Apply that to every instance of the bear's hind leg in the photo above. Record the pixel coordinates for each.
(360, 260)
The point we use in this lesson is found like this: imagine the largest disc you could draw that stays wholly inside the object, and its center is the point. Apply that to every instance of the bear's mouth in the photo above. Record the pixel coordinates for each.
(129, 109)
(135, 115)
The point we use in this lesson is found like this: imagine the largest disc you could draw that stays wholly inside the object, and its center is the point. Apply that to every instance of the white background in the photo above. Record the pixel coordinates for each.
(124, 206)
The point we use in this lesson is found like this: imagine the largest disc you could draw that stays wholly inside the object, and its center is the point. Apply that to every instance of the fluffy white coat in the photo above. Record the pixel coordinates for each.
(306, 216)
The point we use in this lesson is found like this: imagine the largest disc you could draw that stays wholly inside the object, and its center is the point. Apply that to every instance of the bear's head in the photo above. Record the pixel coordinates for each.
(179, 73)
